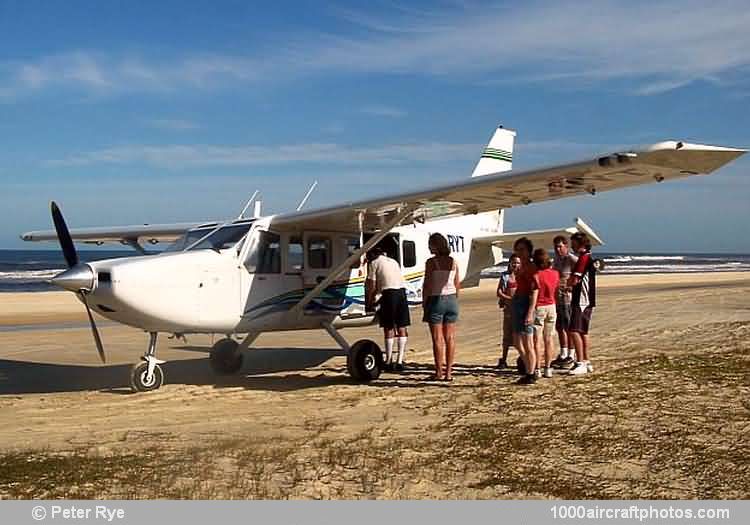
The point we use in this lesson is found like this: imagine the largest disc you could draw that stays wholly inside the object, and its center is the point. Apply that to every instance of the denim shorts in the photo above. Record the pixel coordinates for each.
(520, 305)
(441, 309)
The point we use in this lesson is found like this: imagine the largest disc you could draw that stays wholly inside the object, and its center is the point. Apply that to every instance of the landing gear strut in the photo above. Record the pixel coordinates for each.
(364, 359)
(147, 375)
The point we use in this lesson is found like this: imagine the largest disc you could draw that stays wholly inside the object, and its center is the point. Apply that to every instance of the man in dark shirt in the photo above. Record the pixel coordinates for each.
(583, 283)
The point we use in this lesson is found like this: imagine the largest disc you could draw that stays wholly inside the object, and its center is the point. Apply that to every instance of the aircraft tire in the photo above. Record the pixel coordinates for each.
(138, 375)
(365, 360)
(225, 357)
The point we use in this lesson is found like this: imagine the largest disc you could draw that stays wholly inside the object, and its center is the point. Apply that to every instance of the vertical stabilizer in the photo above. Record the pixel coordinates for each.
(498, 155)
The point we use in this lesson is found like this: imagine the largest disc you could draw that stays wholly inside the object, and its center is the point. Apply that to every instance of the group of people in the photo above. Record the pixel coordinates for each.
(538, 295)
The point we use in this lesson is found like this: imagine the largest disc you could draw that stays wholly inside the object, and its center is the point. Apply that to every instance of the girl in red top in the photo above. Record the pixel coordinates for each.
(523, 330)
(543, 310)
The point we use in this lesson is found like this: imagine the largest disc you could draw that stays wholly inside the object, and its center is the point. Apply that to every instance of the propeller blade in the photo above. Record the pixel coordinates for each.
(63, 235)
(94, 330)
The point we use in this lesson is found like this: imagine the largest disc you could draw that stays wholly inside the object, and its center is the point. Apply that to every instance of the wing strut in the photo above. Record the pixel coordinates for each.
(322, 285)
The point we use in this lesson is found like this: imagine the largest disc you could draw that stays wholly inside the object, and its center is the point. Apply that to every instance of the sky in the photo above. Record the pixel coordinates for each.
(146, 112)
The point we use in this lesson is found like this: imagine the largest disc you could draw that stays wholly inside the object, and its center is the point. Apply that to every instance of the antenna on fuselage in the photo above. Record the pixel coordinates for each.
(307, 195)
(249, 202)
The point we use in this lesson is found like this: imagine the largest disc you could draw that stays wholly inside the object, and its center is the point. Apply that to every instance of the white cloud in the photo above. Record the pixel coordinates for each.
(661, 45)
(194, 156)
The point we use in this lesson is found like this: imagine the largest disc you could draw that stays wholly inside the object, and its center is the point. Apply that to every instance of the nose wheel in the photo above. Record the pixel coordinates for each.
(147, 375)
(144, 380)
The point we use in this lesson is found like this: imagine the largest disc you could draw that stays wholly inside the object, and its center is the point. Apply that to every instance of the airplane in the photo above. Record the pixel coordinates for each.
(303, 270)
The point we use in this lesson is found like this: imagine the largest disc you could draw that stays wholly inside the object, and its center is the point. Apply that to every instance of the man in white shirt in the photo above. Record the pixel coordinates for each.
(384, 278)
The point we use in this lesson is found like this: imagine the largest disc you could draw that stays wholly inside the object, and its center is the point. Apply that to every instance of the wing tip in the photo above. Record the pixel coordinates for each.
(682, 145)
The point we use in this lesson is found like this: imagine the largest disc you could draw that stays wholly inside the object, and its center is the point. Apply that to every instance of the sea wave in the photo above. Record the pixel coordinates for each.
(633, 258)
(30, 275)
(675, 268)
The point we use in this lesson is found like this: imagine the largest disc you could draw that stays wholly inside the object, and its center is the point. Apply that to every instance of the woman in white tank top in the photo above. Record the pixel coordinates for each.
(440, 303)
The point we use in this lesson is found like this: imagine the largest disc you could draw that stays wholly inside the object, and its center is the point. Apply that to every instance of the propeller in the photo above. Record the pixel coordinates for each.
(78, 278)
(63, 235)
(94, 330)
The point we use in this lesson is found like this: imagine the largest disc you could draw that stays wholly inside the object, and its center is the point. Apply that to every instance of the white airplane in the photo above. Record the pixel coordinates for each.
(303, 270)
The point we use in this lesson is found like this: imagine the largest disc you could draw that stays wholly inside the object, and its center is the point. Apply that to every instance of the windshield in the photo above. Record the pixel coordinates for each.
(221, 239)
(189, 238)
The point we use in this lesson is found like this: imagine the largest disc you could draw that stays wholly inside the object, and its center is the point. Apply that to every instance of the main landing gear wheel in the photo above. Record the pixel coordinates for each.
(365, 360)
(226, 359)
(141, 381)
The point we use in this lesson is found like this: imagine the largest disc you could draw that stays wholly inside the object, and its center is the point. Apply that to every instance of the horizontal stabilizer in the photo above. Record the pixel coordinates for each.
(541, 238)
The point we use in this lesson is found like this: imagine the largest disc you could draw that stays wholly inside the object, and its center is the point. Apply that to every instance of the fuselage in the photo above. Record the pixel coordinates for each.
(251, 283)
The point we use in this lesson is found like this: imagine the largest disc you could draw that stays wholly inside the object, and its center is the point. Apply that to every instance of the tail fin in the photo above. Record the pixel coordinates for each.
(498, 155)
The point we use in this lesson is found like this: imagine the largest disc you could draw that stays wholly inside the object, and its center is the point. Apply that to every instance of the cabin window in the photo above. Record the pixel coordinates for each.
(410, 254)
(295, 255)
(265, 253)
(319, 252)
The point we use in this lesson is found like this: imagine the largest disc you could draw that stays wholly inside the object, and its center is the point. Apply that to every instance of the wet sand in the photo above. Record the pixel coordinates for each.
(665, 414)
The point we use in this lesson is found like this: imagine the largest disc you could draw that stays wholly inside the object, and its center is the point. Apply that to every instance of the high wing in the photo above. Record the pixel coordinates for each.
(139, 234)
(659, 162)
(662, 161)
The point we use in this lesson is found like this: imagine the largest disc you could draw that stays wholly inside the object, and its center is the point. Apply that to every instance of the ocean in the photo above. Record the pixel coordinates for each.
(28, 270)
(644, 263)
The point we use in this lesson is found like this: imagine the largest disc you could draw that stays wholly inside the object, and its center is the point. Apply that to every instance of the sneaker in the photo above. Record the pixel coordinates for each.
(589, 368)
(502, 363)
(563, 364)
(538, 373)
(579, 369)
(528, 379)
(548, 371)
(558, 361)
(398, 367)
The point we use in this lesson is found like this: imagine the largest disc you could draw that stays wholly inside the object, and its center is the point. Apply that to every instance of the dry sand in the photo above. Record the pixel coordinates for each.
(666, 413)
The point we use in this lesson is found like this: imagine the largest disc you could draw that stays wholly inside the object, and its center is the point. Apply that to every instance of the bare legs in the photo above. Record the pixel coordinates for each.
(449, 333)
(582, 344)
(528, 352)
(438, 349)
(443, 349)
(545, 346)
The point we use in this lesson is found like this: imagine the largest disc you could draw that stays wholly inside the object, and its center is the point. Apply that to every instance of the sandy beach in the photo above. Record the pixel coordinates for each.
(666, 414)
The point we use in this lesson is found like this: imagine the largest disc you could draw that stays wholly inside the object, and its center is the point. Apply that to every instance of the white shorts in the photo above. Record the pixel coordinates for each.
(544, 319)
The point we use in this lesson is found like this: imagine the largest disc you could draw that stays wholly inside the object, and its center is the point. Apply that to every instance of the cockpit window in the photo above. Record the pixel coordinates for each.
(188, 239)
(221, 239)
